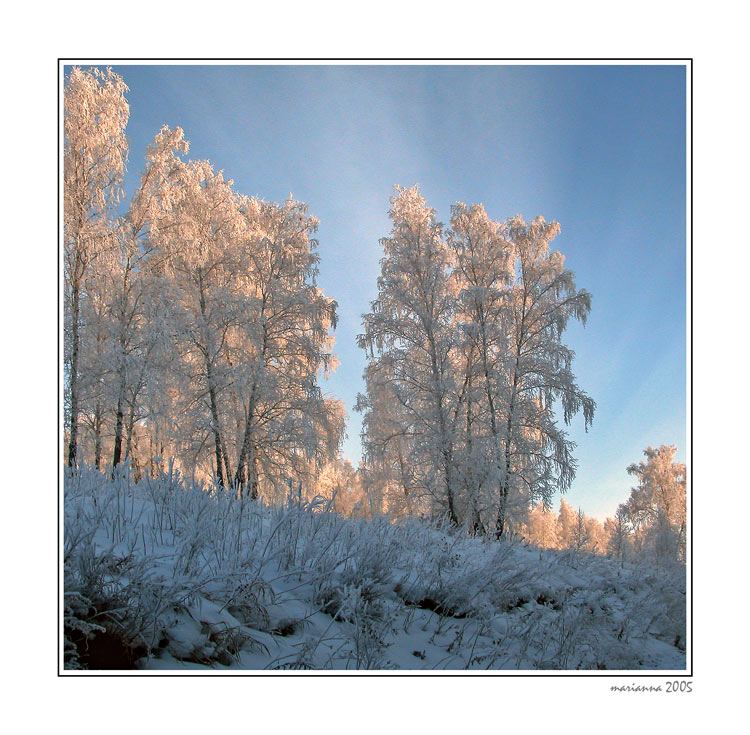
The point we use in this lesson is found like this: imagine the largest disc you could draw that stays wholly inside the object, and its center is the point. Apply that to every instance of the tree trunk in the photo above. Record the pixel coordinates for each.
(99, 408)
(477, 528)
(120, 421)
(241, 475)
(448, 468)
(117, 455)
(255, 480)
(75, 339)
(151, 454)
(402, 470)
(505, 485)
(222, 461)
(240, 478)
(218, 444)
(446, 450)
(469, 476)
(98, 435)
(503, 490)
(129, 429)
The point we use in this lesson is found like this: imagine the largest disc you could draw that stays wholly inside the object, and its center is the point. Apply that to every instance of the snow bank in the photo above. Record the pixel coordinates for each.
(165, 575)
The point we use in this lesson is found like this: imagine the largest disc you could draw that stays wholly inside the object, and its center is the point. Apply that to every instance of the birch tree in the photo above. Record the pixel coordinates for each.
(580, 538)
(468, 365)
(540, 528)
(538, 368)
(395, 484)
(657, 505)
(411, 340)
(94, 368)
(94, 158)
(483, 274)
(285, 342)
(566, 524)
(618, 535)
(195, 238)
(136, 320)
(193, 321)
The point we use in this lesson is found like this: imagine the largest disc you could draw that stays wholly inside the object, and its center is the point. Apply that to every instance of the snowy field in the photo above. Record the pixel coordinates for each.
(163, 575)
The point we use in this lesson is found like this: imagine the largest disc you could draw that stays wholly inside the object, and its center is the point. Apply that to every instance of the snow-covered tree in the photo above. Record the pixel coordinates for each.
(340, 482)
(137, 321)
(483, 274)
(618, 533)
(566, 524)
(252, 330)
(467, 364)
(393, 482)
(94, 370)
(540, 528)
(284, 340)
(411, 340)
(538, 367)
(597, 536)
(657, 505)
(580, 539)
(195, 329)
(195, 239)
(94, 156)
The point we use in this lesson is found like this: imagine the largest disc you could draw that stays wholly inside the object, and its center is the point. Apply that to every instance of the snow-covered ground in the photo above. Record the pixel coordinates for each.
(163, 575)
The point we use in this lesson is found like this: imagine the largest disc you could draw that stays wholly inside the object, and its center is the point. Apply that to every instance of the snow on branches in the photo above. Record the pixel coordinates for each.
(195, 330)
(466, 364)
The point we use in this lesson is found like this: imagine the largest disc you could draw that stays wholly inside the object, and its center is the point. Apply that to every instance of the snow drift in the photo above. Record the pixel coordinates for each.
(163, 574)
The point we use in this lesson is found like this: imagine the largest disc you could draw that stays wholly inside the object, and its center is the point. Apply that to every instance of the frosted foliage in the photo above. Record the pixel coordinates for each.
(95, 148)
(618, 536)
(567, 530)
(252, 328)
(210, 520)
(649, 527)
(195, 330)
(94, 156)
(410, 328)
(657, 506)
(466, 365)
(567, 522)
(541, 529)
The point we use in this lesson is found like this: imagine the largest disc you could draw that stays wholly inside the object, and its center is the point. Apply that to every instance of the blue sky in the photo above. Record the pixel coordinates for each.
(600, 149)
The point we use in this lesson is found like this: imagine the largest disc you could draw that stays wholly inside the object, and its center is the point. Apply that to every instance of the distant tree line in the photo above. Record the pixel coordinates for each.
(651, 524)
